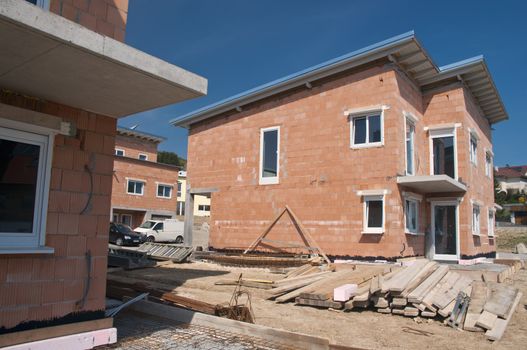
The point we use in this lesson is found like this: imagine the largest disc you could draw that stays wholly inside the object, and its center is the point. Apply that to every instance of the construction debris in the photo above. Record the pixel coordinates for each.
(128, 259)
(422, 288)
(161, 251)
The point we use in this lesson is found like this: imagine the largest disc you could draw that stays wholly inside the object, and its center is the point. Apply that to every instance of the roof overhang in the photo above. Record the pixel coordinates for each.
(431, 183)
(404, 50)
(49, 57)
(140, 135)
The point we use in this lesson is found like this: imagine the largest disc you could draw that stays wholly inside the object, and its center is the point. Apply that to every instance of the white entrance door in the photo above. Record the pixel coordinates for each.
(445, 230)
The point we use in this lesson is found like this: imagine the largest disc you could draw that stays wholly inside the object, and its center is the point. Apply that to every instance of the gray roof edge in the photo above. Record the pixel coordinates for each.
(141, 134)
(73, 34)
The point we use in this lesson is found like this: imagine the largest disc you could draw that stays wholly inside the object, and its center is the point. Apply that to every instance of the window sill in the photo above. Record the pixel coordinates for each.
(414, 233)
(372, 232)
(27, 250)
(161, 197)
(269, 182)
(367, 145)
(476, 234)
(134, 194)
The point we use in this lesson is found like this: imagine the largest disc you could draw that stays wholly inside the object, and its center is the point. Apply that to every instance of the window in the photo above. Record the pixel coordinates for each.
(143, 156)
(135, 187)
(119, 152)
(475, 219)
(473, 150)
(179, 185)
(269, 155)
(410, 136)
(366, 130)
(203, 207)
(164, 191)
(44, 4)
(488, 164)
(443, 152)
(491, 223)
(158, 227)
(115, 217)
(180, 209)
(411, 210)
(25, 165)
(373, 214)
(126, 219)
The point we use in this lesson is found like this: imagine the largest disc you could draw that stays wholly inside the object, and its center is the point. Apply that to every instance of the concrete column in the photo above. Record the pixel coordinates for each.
(189, 218)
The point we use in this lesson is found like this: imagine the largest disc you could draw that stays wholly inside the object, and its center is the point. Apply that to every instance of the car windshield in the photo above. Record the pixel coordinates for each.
(148, 224)
(123, 228)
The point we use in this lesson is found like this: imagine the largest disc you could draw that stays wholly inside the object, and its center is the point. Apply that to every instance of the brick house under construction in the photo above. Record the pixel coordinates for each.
(380, 153)
(63, 85)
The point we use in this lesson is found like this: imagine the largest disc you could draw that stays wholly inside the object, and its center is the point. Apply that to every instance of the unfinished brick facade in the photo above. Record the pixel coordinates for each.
(148, 205)
(44, 287)
(321, 177)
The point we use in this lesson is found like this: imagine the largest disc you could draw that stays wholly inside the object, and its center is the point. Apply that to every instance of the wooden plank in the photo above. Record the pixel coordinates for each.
(380, 302)
(428, 314)
(446, 311)
(244, 283)
(426, 271)
(292, 286)
(399, 301)
(319, 303)
(286, 281)
(478, 297)
(386, 310)
(427, 300)
(486, 320)
(410, 311)
(501, 324)
(500, 300)
(417, 295)
(54, 331)
(398, 311)
(399, 282)
(264, 233)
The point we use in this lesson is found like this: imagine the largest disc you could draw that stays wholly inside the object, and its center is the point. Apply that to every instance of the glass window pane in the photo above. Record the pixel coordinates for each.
(374, 213)
(160, 190)
(139, 187)
(359, 127)
(131, 186)
(445, 229)
(444, 156)
(375, 128)
(18, 182)
(270, 156)
(410, 129)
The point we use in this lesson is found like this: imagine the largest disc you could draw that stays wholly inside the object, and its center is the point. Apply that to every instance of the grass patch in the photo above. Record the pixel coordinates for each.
(509, 237)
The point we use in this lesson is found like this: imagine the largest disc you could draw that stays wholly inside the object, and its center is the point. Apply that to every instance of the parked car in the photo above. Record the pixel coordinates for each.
(121, 234)
(169, 230)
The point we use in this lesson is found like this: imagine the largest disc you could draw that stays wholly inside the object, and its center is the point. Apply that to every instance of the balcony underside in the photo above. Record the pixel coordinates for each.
(431, 183)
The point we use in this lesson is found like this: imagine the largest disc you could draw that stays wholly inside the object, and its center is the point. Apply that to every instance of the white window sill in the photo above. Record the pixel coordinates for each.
(476, 234)
(27, 250)
(272, 181)
(367, 145)
(135, 194)
(162, 197)
(414, 233)
(373, 232)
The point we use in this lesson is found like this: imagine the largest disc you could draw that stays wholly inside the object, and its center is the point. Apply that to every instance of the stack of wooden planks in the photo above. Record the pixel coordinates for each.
(423, 288)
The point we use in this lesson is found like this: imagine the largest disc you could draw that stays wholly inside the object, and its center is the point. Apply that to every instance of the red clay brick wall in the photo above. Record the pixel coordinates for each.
(41, 287)
(319, 173)
(107, 17)
(133, 146)
(149, 172)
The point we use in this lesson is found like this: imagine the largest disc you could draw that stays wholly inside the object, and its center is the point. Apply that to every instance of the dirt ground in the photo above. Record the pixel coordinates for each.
(508, 237)
(366, 329)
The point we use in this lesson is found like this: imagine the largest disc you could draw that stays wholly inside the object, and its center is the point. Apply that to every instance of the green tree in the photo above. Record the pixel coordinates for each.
(166, 157)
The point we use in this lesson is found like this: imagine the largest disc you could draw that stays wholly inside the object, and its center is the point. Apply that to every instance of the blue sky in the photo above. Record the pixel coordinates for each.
(239, 44)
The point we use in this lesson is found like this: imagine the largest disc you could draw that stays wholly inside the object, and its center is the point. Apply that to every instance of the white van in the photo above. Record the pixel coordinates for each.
(169, 230)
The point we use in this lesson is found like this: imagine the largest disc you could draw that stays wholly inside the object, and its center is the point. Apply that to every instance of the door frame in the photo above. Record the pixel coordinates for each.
(445, 257)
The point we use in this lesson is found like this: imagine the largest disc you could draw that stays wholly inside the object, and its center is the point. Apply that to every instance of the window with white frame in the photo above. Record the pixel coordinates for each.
(491, 223)
(410, 137)
(473, 150)
(488, 164)
(143, 156)
(179, 185)
(204, 207)
(373, 214)
(25, 165)
(119, 152)
(476, 219)
(135, 187)
(44, 4)
(411, 211)
(164, 191)
(180, 208)
(366, 130)
(269, 155)
(443, 152)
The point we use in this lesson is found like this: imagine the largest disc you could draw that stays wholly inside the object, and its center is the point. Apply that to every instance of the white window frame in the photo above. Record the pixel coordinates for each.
(488, 164)
(357, 115)
(438, 202)
(120, 150)
(203, 205)
(491, 224)
(473, 149)
(142, 187)
(179, 189)
(476, 219)
(43, 4)
(164, 185)
(438, 133)
(409, 119)
(414, 198)
(366, 199)
(275, 179)
(142, 155)
(34, 242)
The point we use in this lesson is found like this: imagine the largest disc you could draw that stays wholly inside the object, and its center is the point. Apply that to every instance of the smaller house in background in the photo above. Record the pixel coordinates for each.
(201, 203)
(143, 189)
(513, 180)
